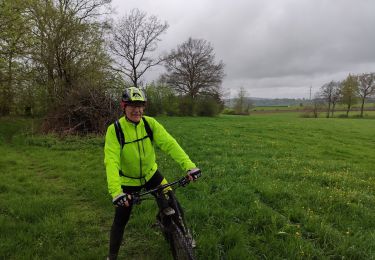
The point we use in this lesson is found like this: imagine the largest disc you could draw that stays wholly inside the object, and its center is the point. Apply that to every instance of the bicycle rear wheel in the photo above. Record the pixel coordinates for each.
(180, 244)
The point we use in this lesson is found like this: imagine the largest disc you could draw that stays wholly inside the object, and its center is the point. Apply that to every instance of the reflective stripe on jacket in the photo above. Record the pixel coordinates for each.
(137, 161)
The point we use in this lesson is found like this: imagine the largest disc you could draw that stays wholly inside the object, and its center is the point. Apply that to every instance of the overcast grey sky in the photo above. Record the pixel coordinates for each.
(272, 48)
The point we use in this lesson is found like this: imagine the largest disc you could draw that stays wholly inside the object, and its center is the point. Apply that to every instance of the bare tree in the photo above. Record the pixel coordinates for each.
(336, 95)
(134, 38)
(330, 93)
(192, 70)
(326, 93)
(366, 87)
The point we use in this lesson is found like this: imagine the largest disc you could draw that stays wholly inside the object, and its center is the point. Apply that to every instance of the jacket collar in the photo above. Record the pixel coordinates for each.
(131, 122)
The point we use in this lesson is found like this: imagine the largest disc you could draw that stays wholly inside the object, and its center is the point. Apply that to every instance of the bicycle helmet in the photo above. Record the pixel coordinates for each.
(134, 94)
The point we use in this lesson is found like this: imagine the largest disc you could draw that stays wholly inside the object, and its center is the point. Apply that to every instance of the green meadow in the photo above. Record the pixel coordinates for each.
(274, 186)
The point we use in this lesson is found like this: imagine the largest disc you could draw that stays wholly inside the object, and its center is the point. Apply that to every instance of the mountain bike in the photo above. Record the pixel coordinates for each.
(170, 218)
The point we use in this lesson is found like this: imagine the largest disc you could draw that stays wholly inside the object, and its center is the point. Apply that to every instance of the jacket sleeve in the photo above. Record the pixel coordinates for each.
(170, 146)
(112, 161)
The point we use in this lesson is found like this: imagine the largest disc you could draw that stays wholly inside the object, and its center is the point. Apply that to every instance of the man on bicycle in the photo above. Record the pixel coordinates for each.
(131, 166)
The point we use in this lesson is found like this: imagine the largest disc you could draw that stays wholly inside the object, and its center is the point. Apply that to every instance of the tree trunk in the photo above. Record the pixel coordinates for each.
(192, 104)
(347, 110)
(2, 99)
(333, 109)
(7, 95)
(363, 104)
(135, 79)
(10, 81)
(329, 109)
(315, 111)
(50, 87)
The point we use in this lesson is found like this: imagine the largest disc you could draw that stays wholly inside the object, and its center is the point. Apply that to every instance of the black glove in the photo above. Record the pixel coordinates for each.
(194, 173)
(122, 200)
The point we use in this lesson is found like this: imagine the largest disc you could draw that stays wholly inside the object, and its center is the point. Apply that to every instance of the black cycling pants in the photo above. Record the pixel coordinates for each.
(122, 214)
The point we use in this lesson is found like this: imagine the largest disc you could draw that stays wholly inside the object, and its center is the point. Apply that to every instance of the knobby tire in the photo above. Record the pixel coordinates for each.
(180, 244)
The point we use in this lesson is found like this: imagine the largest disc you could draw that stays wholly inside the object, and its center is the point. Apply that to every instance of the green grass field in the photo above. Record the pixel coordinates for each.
(274, 187)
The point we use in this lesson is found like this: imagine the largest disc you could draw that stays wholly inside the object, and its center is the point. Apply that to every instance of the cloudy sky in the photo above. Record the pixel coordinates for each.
(273, 48)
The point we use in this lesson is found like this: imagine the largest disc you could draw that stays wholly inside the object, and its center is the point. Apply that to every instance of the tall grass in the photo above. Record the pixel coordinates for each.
(274, 186)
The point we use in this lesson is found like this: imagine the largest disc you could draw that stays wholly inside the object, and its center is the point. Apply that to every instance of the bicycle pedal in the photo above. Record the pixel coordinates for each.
(192, 240)
(193, 243)
(156, 225)
(168, 211)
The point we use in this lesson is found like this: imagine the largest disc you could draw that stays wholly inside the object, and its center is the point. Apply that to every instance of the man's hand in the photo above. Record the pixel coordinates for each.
(122, 200)
(194, 174)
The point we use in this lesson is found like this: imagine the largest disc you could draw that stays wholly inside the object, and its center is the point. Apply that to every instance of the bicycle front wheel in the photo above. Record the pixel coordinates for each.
(180, 244)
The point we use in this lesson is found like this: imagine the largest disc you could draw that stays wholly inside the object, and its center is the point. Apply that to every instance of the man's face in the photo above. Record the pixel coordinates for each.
(134, 111)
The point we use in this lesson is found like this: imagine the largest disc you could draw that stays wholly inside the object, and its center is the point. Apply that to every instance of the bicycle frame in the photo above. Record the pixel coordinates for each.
(170, 224)
(158, 191)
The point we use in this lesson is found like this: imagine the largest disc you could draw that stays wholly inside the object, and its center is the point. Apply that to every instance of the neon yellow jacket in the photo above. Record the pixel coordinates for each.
(138, 161)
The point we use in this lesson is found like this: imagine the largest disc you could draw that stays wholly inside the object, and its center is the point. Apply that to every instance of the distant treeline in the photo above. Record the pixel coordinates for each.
(265, 102)
(348, 93)
(270, 102)
(355, 89)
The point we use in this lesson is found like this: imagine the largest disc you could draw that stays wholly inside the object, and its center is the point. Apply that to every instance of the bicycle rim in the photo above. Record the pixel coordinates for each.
(181, 246)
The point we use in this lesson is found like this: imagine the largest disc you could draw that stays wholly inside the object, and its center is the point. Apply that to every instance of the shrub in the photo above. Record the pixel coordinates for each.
(228, 111)
(207, 106)
(185, 106)
(170, 104)
(161, 100)
(308, 115)
(82, 111)
(154, 101)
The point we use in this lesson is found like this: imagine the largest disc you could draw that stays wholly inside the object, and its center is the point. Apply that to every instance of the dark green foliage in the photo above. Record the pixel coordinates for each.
(201, 106)
(186, 106)
(154, 102)
(207, 106)
(161, 100)
(49, 48)
(228, 111)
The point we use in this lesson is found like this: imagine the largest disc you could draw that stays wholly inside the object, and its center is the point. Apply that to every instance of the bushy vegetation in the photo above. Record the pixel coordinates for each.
(274, 186)
(163, 100)
(208, 106)
(83, 111)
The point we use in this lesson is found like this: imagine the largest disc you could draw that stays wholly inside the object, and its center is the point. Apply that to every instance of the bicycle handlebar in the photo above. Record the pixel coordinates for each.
(136, 197)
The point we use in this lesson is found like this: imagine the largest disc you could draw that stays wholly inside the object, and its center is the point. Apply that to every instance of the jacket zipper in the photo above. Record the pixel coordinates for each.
(143, 147)
(139, 153)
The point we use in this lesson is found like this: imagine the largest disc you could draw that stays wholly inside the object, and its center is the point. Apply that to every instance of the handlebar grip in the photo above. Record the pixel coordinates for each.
(196, 174)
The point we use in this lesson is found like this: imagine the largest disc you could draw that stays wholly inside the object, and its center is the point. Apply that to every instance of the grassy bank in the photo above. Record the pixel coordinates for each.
(274, 186)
